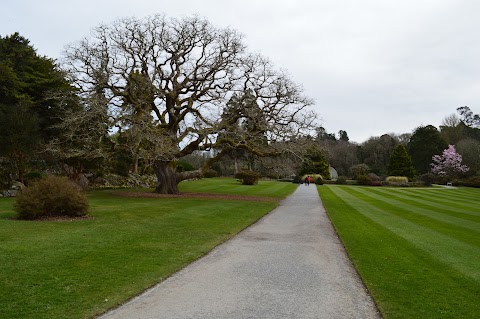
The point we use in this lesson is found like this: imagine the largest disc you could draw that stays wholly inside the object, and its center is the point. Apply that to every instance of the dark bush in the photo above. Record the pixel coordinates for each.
(319, 181)
(297, 179)
(374, 177)
(183, 166)
(210, 173)
(121, 163)
(32, 177)
(458, 182)
(473, 181)
(359, 169)
(341, 180)
(248, 177)
(376, 183)
(363, 180)
(427, 179)
(49, 197)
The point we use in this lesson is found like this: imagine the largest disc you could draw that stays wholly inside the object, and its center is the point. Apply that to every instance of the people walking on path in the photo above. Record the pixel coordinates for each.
(307, 180)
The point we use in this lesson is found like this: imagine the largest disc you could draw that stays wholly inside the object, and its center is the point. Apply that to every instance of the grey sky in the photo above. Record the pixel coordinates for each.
(372, 66)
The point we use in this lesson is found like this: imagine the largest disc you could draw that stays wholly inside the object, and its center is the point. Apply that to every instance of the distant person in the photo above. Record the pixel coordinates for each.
(309, 179)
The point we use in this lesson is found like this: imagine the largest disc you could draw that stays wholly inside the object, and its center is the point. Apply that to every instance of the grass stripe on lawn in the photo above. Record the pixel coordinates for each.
(425, 199)
(404, 206)
(462, 256)
(455, 195)
(391, 256)
(440, 203)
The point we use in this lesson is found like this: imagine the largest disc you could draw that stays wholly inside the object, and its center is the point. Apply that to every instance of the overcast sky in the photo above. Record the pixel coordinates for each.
(372, 66)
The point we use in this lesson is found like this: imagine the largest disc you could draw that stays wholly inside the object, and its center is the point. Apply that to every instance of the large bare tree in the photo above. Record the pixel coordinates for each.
(167, 83)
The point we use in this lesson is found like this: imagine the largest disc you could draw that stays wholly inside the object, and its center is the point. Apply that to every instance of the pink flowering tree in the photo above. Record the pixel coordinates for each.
(449, 164)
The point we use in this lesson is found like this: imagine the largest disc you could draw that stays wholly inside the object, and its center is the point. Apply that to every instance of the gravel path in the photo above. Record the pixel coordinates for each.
(290, 264)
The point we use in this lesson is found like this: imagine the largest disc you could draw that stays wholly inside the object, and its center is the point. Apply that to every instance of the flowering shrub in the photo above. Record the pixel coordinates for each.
(449, 164)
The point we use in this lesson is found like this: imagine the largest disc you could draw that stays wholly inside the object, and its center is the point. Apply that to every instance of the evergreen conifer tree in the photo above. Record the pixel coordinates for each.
(400, 163)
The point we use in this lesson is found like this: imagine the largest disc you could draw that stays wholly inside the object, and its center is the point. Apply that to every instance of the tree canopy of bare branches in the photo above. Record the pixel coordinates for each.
(165, 84)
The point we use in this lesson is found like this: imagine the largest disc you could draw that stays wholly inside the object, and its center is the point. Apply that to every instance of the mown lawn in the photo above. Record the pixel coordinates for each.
(79, 269)
(417, 250)
(231, 186)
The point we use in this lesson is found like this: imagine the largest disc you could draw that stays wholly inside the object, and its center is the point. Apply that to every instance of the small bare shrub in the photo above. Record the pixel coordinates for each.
(374, 177)
(49, 197)
(396, 181)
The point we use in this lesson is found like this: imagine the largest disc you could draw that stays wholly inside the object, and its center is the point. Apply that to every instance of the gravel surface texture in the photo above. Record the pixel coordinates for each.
(290, 264)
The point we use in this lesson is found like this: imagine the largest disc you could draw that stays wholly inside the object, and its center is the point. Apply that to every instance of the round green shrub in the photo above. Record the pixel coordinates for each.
(319, 181)
(363, 180)
(50, 197)
(248, 177)
(341, 180)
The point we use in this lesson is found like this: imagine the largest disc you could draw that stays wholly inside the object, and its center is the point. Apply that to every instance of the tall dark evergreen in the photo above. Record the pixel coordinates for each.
(32, 100)
(400, 163)
(425, 142)
(315, 163)
(33, 80)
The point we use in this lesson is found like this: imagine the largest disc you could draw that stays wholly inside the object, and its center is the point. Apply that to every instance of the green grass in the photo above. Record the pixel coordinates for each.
(417, 250)
(80, 269)
(231, 186)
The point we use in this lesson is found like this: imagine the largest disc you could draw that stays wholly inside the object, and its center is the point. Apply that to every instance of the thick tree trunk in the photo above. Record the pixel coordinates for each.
(21, 176)
(167, 177)
(135, 165)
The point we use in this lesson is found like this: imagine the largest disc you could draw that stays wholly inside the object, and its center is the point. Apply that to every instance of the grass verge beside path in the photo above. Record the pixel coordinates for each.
(79, 269)
(418, 250)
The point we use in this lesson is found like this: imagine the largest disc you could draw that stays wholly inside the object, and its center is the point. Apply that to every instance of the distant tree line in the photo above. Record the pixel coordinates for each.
(410, 153)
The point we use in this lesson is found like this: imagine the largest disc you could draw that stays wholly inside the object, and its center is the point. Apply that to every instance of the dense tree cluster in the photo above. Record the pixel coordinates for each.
(33, 93)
